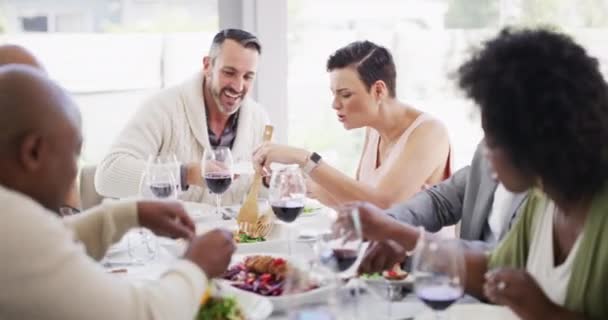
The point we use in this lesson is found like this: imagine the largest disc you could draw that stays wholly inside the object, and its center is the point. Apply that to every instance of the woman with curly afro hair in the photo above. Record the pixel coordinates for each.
(544, 111)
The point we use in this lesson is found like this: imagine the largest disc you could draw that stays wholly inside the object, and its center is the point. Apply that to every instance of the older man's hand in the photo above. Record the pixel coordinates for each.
(212, 251)
(164, 218)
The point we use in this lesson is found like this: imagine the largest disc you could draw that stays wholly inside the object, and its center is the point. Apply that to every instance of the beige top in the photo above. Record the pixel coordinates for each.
(173, 121)
(372, 174)
(45, 272)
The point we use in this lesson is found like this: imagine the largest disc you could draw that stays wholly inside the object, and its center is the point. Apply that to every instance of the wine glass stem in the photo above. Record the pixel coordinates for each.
(389, 310)
(218, 200)
(440, 315)
(289, 240)
(356, 295)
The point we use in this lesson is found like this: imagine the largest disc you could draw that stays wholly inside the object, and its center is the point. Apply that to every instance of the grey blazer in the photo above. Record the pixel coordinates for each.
(466, 197)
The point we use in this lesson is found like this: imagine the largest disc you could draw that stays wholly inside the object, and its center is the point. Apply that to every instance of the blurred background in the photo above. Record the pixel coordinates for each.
(111, 54)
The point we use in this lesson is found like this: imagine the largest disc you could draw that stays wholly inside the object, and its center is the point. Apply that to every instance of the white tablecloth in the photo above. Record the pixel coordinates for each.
(368, 307)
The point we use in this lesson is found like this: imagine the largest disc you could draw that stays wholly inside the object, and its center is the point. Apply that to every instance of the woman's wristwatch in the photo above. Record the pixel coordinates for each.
(311, 163)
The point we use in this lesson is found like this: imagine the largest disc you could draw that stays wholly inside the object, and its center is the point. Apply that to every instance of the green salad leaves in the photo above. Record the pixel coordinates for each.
(220, 309)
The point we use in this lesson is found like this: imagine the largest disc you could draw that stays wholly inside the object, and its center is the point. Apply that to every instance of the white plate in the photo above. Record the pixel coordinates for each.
(318, 295)
(473, 311)
(254, 306)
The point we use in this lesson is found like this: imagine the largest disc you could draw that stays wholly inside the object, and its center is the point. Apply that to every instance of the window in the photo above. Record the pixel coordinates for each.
(35, 24)
(429, 39)
(111, 54)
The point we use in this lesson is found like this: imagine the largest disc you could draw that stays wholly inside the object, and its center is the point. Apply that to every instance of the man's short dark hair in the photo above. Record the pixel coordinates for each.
(372, 62)
(544, 101)
(244, 38)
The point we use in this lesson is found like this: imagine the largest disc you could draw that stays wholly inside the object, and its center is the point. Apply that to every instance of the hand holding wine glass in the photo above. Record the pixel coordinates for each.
(164, 218)
(339, 248)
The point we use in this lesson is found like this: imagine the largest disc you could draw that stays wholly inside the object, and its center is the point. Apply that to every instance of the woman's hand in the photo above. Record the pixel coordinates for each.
(268, 153)
(517, 289)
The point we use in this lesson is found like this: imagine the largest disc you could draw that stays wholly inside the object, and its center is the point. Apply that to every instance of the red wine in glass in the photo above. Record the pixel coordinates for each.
(287, 211)
(218, 183)
(439, 297)
(345, 258)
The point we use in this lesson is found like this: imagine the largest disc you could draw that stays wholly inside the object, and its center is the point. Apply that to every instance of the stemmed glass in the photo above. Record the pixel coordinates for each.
(158, 181)
(301, 278)
(287, 194)
(217, 171)
(338, 248)
(439, 273)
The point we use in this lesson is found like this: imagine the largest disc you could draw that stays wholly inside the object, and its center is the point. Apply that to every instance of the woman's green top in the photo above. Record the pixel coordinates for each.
(587, 291)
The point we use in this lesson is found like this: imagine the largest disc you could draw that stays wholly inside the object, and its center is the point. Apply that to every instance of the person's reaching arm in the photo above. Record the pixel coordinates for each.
(414, 164)
(436, 207)
(46, 275)
(102, 226)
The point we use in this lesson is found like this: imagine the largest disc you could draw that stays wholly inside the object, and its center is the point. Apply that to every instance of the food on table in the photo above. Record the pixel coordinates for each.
(310, 209)
(206, 295)
(267, 264)
(264, 275)
(395, 273)
(241, 237)
(220, 308)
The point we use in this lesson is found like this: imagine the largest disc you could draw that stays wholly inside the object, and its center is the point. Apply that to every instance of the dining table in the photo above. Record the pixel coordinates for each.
(355, 301)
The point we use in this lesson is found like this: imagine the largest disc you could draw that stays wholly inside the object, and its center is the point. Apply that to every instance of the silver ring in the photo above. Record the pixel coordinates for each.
(501, 285)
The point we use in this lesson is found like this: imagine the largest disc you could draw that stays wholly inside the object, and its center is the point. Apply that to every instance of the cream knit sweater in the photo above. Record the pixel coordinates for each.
(46, 274)
(174, 122)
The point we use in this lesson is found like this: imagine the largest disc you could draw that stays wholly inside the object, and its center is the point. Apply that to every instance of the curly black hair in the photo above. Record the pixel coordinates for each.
(372, 62)
(545, 102)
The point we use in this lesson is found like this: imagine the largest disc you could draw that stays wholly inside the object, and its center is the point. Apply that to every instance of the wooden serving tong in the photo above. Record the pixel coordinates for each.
(248, 214)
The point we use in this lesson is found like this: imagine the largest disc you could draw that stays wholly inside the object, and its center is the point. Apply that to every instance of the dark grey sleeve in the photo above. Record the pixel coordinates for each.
(436, 207)
(477, 245)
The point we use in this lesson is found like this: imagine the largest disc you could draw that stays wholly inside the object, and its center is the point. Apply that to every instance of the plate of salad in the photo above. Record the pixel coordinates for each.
(220, 304)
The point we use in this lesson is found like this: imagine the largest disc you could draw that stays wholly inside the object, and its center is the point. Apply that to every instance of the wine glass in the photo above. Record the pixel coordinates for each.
(439, 272)
(287, 194)
(299, 279)
(158, 182)
(338, 248)
(217, 171)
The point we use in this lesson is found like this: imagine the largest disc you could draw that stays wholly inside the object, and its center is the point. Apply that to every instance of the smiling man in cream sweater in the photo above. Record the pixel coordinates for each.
(47, 264)
(212, 109)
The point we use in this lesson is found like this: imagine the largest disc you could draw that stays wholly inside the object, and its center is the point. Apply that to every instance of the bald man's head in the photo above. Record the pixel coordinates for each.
(39, 135)
(11, 53)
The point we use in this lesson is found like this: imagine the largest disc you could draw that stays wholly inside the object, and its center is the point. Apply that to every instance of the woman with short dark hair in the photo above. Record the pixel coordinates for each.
(404, 150)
